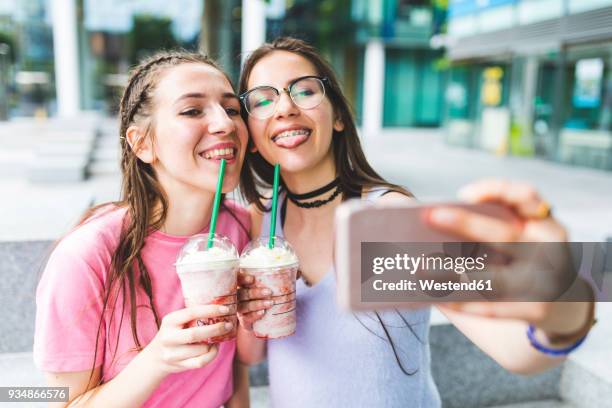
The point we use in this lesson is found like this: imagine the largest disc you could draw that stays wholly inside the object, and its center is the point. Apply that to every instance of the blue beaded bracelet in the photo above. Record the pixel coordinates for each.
(551, 352)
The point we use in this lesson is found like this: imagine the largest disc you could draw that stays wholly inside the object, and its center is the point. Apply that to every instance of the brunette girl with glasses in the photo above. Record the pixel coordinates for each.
(298, 117)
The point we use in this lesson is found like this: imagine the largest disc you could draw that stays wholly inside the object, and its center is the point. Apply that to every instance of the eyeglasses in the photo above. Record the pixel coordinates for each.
(306, 92)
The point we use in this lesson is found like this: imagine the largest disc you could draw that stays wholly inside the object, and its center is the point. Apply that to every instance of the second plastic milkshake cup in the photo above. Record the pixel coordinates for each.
(209, 276)
(276, 269)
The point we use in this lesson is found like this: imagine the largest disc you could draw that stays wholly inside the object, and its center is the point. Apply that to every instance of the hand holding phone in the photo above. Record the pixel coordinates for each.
(371, 238)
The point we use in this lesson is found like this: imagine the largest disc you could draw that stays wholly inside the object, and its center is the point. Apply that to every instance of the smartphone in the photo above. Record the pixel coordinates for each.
(358, 222)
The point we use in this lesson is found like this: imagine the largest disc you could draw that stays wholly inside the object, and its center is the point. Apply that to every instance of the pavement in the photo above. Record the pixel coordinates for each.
(420, 160)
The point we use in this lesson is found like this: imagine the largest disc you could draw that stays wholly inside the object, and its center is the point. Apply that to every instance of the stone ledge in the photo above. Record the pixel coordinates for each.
(587, 377)
(538, 404)
(21, 265)
(466, 377)
(58, 169)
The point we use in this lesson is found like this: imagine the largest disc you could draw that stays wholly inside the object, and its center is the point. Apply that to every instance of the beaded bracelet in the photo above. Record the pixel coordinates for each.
(549, 351)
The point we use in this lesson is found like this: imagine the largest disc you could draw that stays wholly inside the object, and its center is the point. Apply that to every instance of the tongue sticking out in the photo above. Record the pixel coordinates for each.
(291, 141)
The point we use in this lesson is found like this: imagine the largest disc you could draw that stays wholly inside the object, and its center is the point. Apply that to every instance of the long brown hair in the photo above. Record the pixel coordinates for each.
(142, 196)
(352, 167)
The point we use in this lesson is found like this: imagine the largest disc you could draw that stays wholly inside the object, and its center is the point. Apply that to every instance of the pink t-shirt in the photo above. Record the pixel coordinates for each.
(69, 302)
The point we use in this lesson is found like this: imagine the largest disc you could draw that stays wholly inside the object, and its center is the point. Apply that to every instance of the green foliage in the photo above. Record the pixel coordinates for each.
(521, 143)
(8, 39)
(150, 34)
(440, 4)
(442, 64)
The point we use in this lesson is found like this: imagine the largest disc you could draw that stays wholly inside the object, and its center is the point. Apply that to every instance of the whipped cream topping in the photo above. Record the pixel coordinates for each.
(264, 257)
(212, 255)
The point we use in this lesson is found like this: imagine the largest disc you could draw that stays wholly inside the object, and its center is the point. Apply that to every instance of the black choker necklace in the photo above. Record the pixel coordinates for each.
(296, 198)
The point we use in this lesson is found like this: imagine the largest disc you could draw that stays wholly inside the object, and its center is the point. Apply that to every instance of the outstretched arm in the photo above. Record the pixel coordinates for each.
(500, 328)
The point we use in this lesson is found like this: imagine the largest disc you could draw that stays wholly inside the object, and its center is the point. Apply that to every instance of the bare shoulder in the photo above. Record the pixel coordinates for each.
(256, 220)
(395, 197)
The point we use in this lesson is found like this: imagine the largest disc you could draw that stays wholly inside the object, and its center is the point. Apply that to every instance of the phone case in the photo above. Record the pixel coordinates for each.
(357, 221)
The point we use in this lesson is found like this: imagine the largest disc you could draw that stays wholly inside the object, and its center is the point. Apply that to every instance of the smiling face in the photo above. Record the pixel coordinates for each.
(298, 139)
(195, 123)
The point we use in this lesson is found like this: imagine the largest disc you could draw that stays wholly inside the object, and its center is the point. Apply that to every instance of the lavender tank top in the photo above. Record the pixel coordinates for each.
(343, 359)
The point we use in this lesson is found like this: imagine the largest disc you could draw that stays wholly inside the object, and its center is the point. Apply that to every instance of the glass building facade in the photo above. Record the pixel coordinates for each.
(26, 61)
(112, 35)
(414, 76)
(556, 88)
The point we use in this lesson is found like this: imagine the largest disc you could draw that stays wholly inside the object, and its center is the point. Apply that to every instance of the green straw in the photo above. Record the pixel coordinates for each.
(274, 205)
(215, 211)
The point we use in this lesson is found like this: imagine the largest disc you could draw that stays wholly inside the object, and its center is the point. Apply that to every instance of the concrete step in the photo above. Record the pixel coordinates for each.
(14, 162)
(51, 149)
(538, 404)
(585, 388)
(105, 142)
(105, 153)
(18, 369)
(466, 377)
(68, 136)
(61, 156)
(25, 134)
(109, 138)
(584, 380)
(58, 169)
(109, 128)
(98, 168)
(587, 377)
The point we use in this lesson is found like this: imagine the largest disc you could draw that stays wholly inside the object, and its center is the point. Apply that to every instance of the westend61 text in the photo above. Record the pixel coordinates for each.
(429, 285)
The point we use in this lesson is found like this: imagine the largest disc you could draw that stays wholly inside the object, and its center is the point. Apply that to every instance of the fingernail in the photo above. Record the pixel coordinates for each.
(442, 216)
(266, 292)
(248, 278)
(228, 325)
(261, 312)
(223, 309)
(543, 210)
(268, 303)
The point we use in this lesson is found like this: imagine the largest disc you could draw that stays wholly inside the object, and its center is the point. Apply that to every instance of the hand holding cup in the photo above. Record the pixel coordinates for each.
(177, 347)
(252, 301)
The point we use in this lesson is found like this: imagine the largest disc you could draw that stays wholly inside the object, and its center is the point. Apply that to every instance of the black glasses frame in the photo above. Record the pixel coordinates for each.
(243, 96)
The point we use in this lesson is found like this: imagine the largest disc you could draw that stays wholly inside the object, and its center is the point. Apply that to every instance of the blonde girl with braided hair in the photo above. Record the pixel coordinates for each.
(110, 320)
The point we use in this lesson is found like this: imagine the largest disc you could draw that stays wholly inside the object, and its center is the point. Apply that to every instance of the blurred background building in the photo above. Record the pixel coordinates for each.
(520, 77)
(532, 77)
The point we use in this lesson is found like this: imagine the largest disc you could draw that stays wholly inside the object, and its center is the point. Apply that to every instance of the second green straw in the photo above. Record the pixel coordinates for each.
(274, 205)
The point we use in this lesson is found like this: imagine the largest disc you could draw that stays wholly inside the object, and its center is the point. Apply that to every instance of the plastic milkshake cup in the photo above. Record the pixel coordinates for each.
(209, 276)
(276, 269)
